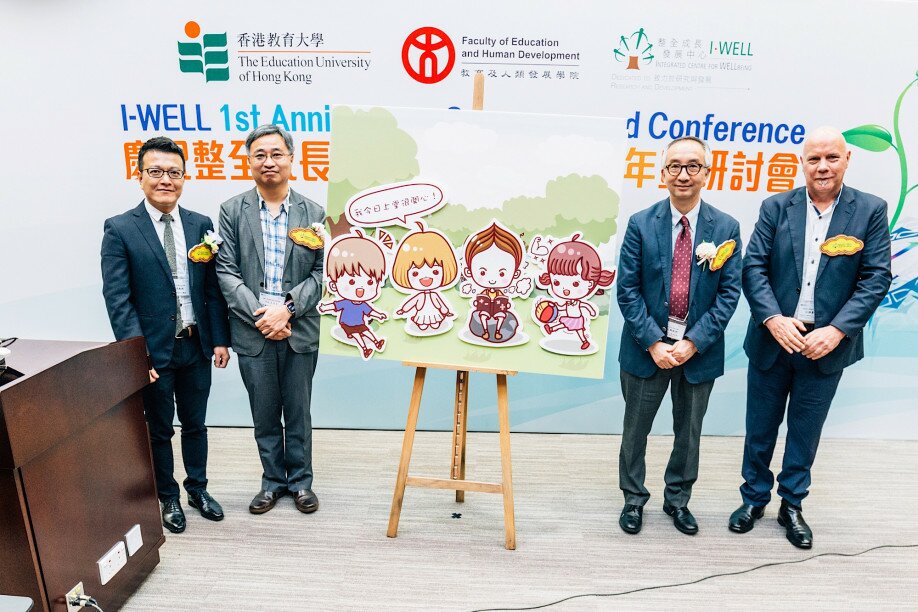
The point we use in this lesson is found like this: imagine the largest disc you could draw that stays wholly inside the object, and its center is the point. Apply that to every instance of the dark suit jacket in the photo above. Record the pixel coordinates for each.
(241, 271)
(849, 288)
(644, 272)
(139, 290)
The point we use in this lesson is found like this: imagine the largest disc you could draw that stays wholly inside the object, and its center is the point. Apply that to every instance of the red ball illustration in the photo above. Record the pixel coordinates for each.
(546, 311)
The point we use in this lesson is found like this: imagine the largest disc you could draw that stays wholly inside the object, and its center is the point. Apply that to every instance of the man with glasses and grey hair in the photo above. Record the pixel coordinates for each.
(272, 284)
(154, 288)
(679, 280)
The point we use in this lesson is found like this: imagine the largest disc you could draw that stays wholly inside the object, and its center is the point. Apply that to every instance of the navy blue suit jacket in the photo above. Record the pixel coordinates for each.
(644, 272)
(849, 288)
(139, 290)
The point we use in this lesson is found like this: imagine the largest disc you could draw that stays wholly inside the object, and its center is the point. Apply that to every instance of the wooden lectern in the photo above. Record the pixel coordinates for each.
(76, 473)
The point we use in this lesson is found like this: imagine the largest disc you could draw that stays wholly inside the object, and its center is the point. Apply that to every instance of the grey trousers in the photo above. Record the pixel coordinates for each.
(642, 400)
(279, 383)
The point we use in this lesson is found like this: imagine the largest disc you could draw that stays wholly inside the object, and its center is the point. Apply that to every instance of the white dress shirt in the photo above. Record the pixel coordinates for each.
(182, 282)
(817, 226)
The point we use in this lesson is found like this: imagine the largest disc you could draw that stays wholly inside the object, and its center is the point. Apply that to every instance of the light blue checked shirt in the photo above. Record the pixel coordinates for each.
(274, 233)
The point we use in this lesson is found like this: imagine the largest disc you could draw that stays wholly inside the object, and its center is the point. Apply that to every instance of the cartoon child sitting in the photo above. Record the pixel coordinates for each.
(493, 264)
(356, 268)
(573, 274)
(424, 264)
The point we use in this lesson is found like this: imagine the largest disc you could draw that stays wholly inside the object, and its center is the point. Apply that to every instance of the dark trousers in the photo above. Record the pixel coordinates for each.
(183, 385)
(279, 383)
(795, 378)
(642, 400)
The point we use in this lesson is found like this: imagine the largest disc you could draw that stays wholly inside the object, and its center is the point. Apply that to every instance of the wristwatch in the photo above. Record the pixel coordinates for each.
(291, 307)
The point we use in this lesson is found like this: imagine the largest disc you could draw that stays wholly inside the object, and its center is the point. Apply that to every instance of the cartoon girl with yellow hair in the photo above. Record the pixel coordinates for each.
(425, 265)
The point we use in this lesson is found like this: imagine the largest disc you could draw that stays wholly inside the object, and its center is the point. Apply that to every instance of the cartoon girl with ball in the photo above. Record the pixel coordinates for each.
(573, 273)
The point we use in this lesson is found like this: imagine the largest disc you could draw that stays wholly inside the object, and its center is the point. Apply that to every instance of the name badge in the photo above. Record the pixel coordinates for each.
(270, 299)
(181, 287)
(183, 291)
(806, 312)
(675, 329)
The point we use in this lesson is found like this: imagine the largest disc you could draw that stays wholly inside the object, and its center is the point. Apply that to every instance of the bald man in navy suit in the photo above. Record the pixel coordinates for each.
(817, 267)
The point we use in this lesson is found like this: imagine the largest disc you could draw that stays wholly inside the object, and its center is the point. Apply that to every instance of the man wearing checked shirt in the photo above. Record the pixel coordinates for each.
(272, 286)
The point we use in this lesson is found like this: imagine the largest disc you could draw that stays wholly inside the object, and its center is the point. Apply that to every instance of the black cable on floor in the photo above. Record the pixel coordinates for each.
(681, 584)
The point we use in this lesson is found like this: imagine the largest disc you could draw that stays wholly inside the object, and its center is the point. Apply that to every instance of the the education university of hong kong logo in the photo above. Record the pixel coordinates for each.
(428, 55)
(207, 56)
(636, 49)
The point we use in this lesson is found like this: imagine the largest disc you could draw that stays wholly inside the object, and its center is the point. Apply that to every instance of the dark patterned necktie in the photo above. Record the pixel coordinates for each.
(169, 247)
(682, 272)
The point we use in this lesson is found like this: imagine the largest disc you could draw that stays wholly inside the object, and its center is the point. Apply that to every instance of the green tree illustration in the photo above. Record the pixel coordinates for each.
(368, 149)
(876, 138)
(571, 204)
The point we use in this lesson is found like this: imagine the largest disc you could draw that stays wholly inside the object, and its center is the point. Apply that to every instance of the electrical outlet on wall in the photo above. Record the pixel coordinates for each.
(74, 594)
(111, 562)
(134, 539)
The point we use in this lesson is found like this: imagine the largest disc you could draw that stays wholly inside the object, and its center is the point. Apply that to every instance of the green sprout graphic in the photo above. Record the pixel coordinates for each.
(876, 138)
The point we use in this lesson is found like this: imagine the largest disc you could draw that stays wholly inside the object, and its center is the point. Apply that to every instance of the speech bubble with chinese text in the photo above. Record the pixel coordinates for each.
(394, 204)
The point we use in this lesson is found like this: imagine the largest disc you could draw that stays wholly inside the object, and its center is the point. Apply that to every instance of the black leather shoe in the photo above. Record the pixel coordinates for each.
(682, 519)
(173, 517)
(798, 532)
(306, 501)
(208, 506)
(264, 501)
(631, 518)
(743, 518)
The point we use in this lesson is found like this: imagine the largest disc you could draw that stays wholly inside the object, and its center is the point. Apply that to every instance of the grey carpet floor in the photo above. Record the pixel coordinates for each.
(864, 494)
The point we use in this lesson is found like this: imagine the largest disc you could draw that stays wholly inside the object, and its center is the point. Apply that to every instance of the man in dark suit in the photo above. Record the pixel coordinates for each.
(272, 285)
(675, 313)
(153, 289)
(816, 269)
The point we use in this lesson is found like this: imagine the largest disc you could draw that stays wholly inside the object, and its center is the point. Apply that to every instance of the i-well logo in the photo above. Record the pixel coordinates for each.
(207, 56)
(428, 55)
(635, 49)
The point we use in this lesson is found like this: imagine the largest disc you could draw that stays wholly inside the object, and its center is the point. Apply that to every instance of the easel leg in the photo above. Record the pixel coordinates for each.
(407, 444)
(460, 427)
(503, 414)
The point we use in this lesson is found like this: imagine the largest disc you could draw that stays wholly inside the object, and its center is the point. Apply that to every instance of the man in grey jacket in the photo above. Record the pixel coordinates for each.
(272, 285)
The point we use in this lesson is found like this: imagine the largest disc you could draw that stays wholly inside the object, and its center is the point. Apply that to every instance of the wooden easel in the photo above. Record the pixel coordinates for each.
(456, 480)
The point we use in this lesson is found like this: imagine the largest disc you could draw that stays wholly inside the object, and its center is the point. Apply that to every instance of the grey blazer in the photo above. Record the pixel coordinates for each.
(241, 271)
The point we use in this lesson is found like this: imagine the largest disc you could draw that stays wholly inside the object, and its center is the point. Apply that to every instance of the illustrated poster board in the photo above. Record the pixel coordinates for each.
(472, 239)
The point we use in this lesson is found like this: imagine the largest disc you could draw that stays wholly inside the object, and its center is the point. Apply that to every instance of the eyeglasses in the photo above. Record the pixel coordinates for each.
(157, 173)
(692, 169)
(260, 158)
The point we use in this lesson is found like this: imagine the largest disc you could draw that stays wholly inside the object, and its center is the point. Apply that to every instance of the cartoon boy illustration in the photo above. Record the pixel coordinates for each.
(573, 273)
(494, 260)
(425, 264)
(356, 268)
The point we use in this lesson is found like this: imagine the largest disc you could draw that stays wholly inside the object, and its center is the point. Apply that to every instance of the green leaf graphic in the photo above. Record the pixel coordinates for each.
(216, 57)
(215, 40)
(869, 137)
(186, 65)
(216, 74)
(188, 48)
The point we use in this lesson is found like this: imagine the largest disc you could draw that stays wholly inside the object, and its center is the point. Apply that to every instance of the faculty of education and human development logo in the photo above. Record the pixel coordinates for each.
(208, 56)
(635, 49)
(428, 55)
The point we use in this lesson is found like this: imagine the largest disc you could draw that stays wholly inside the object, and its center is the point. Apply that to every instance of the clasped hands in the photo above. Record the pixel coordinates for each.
(668, 356)
(791, 334)
(274, 323)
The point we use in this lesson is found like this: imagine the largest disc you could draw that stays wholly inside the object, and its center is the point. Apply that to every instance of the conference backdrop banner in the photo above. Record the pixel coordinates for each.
(86, 83)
